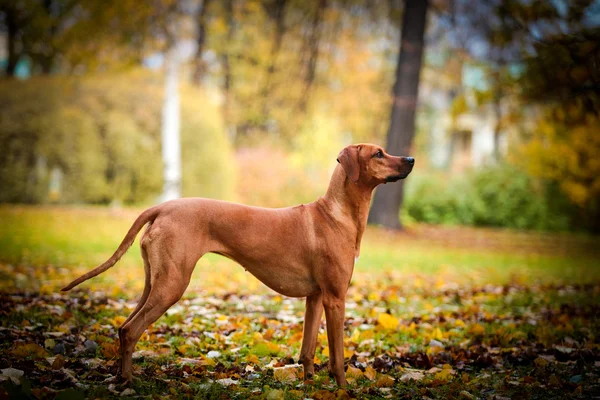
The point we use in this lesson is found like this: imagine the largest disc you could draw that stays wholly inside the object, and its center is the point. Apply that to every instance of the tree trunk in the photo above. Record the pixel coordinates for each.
(279, 17)
(227, 75)
(171, 147)
(314, 39)
(11, 45)
(388, 198)
(199, 64)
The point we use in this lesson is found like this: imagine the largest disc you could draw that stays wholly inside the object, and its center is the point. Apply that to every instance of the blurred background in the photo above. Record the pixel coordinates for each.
(133, 102)
(488, 280)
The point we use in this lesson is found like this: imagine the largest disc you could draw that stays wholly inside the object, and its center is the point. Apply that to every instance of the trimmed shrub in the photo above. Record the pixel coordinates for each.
(500, 196)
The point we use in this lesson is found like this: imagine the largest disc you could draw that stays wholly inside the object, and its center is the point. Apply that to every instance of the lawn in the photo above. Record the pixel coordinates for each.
(433, 312)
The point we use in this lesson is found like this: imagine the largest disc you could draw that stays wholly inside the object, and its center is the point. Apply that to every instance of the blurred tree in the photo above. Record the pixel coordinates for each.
(75, 36)
(563, 76)
(312, 43)
(559, 85)
(199, 63)
(388, 199)
(97, 140)
(276, 11)
(171, 118)
(226, 56)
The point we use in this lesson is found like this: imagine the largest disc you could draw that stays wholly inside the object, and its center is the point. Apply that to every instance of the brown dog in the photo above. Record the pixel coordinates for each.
(303, 251)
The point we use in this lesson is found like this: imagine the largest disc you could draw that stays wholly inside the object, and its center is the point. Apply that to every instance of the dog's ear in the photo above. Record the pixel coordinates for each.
(348, 157)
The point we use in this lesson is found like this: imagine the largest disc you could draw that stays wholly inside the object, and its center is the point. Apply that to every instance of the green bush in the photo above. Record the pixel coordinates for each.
(500, 196)
(100, 135)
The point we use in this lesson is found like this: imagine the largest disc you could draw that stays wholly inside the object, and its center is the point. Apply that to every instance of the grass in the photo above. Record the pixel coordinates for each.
(63, 242)
(476, 313)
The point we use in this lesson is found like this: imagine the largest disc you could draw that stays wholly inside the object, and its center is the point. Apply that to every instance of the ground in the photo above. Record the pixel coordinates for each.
(434, 312)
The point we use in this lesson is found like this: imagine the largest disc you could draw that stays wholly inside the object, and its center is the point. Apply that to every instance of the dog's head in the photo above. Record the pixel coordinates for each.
(371, 165)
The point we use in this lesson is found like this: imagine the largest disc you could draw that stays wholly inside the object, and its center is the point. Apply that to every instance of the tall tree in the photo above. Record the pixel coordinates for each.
(199, 64)
(388, 198)
(226, 58)
(276, 11)
(12, 21)
(171, 120)
(313, 43)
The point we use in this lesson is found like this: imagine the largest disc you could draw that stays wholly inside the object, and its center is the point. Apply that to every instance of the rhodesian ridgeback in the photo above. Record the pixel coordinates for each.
(303, 251)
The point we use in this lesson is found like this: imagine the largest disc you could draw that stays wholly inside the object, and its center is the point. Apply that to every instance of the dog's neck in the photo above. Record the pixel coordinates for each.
(346, 198)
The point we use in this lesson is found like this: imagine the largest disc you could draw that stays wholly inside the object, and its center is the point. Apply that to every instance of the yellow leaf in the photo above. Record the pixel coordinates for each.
(374, 296)
(46, 289)
(348, 353)
(353, 372)
(207, 361)
(444, 375)
(252, 359)
(295, 338)
(325, 351)
(341, 394)
(273, 347)
(355, 336)
(183, 348)
(109, 350)
(323, 395)
(285, 374)
(385, 381)
(370, 373)
(540, 362)
(117, 321)
(388, 321)
(477, 329)
(23, 350)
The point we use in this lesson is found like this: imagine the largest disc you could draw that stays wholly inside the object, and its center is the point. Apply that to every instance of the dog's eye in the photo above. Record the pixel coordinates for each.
(379, 154)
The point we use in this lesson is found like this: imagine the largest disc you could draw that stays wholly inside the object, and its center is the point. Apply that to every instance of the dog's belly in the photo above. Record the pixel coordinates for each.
(287, 279)
(285, 282)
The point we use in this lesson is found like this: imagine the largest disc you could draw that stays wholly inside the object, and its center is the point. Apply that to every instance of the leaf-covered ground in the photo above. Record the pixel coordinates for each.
(490, 342)
(433, 313)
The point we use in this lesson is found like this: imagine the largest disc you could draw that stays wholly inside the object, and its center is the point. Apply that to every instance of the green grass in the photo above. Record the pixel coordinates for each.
(63, 242)
(500, 301)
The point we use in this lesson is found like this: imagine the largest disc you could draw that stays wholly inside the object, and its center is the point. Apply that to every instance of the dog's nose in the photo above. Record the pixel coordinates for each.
(410, 160)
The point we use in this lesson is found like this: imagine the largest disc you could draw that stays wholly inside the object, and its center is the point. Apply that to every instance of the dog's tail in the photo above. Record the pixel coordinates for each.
(147, 216)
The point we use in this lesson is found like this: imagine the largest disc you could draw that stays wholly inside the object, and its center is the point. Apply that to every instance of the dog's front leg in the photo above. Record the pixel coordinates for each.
(334, 314)
(312, 320)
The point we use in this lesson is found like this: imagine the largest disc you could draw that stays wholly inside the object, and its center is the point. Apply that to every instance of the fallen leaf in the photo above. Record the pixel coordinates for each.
(444, 375)
(227, 382)
(23, 350)
(477, 329)
(466, 395)
(388, 321)
(128, 392)
(275, 394)
(13, 374)
(286, 374)
(412, 375)
(323, 395)
(353, 372)
(385, 381)
(370, 373)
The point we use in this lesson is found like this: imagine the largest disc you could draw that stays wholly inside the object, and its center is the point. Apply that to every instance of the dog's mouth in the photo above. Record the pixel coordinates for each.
(396, 178)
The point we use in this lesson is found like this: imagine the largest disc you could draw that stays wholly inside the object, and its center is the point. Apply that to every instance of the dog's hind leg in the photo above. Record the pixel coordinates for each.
(169, 277)
(144, 297)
